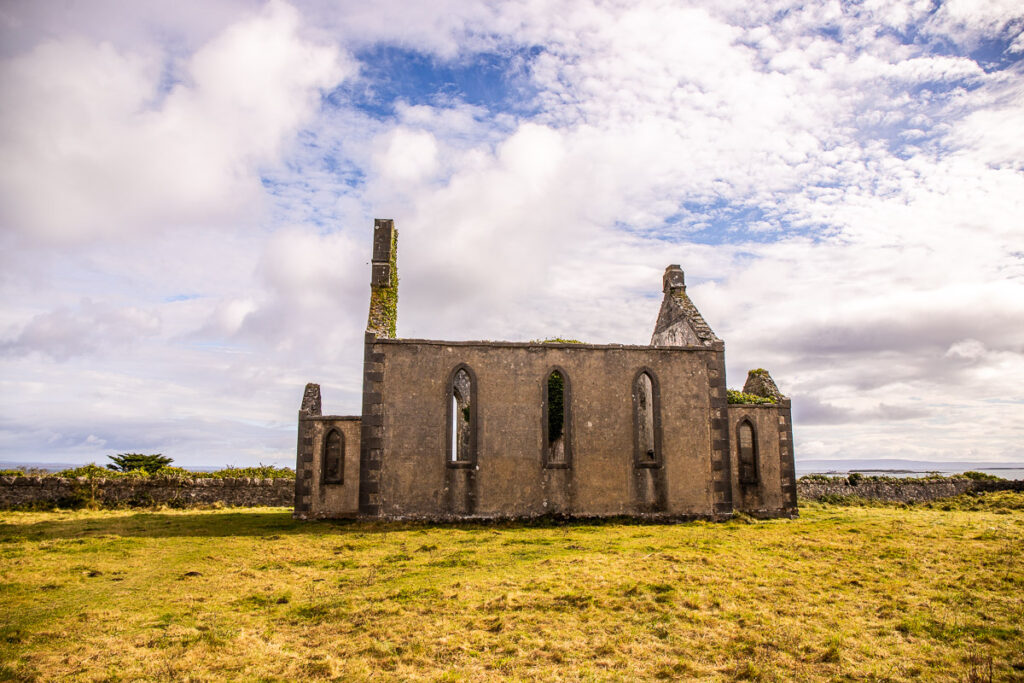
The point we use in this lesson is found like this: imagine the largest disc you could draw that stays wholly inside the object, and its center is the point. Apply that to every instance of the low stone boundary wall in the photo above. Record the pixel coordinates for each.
(64, 492)
(903, 491)
(249, 492)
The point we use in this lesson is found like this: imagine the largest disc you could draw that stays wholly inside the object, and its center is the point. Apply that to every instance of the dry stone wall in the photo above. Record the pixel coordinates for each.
(247, 492)
(903, 491)
(67, 492)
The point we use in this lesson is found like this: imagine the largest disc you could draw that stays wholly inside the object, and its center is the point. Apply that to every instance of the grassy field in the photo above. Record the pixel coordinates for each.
(844, 592)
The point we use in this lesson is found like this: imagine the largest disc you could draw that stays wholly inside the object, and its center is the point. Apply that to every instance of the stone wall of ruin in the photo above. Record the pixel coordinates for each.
(775, 488)
(508, 475)
(130, 491)
(902, 491)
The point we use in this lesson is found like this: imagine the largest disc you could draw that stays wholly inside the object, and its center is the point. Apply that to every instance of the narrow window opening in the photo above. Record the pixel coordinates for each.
(748, 453)
(645, 408)
(461, 417)
(454, 428)
(556, 418)
(334, 458)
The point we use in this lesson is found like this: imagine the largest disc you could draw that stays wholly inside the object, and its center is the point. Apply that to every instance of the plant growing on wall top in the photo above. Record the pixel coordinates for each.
(735, 396)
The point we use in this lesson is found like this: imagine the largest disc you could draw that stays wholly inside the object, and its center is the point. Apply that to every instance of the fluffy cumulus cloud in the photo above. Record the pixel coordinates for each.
(187, 204)
(102, 141)
(65, 333)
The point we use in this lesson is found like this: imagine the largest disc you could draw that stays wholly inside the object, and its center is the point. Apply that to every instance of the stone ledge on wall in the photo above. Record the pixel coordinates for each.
(232, 492)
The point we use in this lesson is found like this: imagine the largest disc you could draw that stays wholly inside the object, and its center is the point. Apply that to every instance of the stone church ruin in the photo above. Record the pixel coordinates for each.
(483, 430)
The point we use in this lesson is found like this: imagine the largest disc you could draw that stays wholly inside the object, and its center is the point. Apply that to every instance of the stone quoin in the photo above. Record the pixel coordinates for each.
(488, 430)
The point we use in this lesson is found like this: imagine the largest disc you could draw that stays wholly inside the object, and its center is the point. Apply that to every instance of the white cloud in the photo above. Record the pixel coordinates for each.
(313, 288)
(97, 145)
(846, 206)
(970, 21)
(229, 316)
(407, 156)
(90, 327)
(966, 349)
(990, 131)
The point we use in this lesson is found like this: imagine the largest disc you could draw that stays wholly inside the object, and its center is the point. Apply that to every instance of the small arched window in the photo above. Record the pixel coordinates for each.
(462, 417)
(556, 420)
(334, 458)
(746, 439)
(647, 420)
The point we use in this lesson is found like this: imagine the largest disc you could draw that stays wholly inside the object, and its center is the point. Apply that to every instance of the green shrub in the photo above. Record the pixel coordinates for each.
(179, 472)
(735, 396)
(127, 462)
(90, 471)
(261, 472)
(981, 476)
(94, 471)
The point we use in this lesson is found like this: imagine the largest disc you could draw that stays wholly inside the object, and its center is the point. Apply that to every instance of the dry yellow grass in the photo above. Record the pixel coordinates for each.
(842, 593)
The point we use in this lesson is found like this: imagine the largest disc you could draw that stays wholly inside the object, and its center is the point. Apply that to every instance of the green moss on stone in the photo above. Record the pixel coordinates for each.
(384, 300)
(734, 396)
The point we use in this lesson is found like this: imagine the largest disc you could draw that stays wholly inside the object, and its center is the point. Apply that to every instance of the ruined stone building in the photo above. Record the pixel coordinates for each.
(480, 429)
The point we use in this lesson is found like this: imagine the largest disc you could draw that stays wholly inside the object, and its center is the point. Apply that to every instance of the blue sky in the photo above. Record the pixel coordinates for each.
(189, 192)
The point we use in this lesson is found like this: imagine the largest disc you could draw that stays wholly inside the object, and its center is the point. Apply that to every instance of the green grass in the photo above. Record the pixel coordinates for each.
(842, 593)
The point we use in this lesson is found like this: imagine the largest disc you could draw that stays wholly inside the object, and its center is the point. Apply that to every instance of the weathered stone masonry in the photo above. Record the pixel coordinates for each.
(132, 491)
(462, 430)
(904, 490)
(381, 323)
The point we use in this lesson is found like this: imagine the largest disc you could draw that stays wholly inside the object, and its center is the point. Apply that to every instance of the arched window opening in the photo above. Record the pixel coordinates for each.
(460, 426)
(557, 413)
(644, 402)
(747, 441)
(334, 458)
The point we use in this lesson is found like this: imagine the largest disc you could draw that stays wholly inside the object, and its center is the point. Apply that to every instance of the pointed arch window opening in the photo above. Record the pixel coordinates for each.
(334, 458)
(746, 443)
(557, 437)
(461, 428)
(454, 428)
(647, 420)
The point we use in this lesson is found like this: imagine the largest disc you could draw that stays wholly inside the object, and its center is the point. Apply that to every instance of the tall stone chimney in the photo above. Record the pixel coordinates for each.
(679, 321)
(673, 279)
(383, 318)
